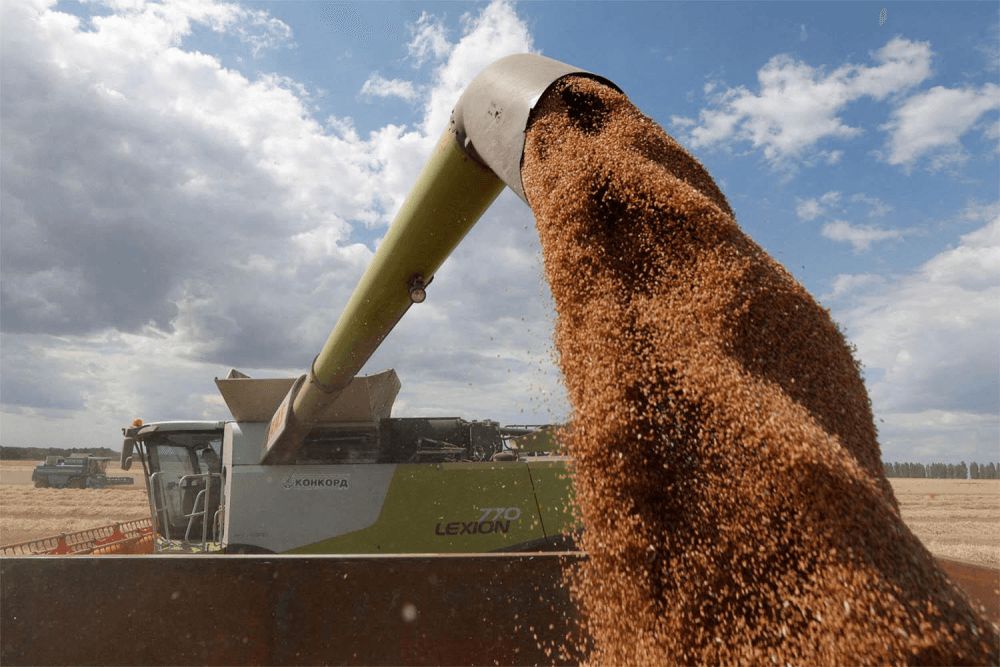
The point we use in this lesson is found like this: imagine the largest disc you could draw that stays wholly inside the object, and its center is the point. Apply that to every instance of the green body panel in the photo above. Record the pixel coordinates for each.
(545, 439)
(459, 508)
(554, 494)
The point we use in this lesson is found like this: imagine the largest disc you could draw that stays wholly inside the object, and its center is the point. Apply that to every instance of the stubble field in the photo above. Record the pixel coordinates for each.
(954, 518)
(957, 519)
(27, 513)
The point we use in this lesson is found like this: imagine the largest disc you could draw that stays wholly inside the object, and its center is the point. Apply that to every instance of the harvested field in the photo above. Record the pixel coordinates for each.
(27, 513)
(954, 518)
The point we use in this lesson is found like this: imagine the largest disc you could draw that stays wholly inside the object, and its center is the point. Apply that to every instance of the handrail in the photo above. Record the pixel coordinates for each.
(156, 482)
(204, 497)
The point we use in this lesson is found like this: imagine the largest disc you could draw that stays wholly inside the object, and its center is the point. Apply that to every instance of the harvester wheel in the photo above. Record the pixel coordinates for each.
(41, 484)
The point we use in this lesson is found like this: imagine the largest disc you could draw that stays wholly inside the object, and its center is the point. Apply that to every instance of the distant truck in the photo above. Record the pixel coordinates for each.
(76, 472)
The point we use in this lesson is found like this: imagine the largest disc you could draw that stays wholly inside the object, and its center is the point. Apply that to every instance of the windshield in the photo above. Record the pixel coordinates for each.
(185, 453)
(179, 463)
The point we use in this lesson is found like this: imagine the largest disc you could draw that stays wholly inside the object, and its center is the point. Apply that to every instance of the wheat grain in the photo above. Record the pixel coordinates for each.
(726, 464)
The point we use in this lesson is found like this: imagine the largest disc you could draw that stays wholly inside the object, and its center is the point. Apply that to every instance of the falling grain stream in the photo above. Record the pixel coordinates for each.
(727, 467)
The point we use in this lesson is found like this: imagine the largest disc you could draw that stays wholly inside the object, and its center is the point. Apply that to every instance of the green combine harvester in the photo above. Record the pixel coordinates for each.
(76, 472)
(361, 481)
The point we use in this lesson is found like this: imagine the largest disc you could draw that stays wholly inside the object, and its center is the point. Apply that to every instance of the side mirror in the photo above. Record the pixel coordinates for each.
(127, 447)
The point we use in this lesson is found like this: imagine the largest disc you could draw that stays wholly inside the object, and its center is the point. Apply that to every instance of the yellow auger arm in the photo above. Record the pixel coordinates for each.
(477, 155)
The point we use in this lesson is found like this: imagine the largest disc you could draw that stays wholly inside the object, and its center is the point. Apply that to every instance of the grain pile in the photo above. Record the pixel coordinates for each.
(726, 463)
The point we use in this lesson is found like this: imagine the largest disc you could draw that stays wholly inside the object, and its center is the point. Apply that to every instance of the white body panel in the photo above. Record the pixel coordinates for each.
(279, 508)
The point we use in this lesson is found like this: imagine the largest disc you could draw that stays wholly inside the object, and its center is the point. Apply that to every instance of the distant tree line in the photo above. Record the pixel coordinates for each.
(943, 470)
(39, 453)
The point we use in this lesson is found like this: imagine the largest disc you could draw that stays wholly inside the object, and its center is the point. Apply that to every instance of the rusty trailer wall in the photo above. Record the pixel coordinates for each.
(285, 610)
(484, 609)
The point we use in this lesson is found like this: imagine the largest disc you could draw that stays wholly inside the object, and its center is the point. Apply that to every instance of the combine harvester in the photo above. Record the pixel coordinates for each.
(337, 503)
(350, 487)
(76, 472)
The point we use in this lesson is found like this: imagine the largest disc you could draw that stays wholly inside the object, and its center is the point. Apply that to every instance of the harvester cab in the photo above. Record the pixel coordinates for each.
(183, 471)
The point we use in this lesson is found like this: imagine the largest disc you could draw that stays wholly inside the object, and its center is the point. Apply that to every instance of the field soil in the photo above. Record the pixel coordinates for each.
(957, 519)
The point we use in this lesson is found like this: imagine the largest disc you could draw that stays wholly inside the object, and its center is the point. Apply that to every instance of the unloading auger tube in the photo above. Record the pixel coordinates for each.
(477, 155)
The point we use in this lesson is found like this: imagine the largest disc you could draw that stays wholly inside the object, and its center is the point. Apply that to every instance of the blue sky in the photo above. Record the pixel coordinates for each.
(193, 186)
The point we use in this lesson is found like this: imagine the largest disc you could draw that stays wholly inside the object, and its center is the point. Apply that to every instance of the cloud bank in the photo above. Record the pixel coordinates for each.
(928, 341)
(172, 218)
(797, 108)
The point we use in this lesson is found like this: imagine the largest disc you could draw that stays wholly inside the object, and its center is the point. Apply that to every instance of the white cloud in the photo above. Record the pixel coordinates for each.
(492, 33)
(810, 209)
(993, 132)
(977, 211)
(860, 236)
(682, 122)
(933, 123)
(263, 32)
(929, 343)
(831, 157)
(939, 435)
(845, 284)
(177, 218)
(797, 105)
(974, 265)
(430, 40)
(990, 49)
(878, 208)
(140, 22)
(378, 86)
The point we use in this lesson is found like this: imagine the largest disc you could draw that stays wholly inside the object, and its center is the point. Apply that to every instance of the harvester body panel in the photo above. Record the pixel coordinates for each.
(379, 500)
(273, 509)
(553, 487)
(468, 507)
